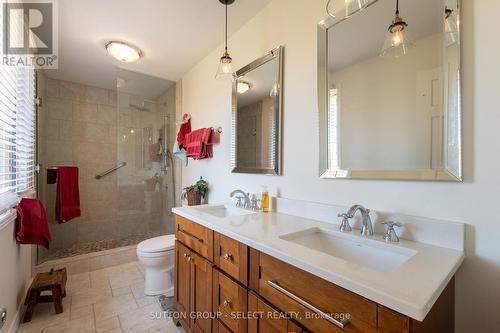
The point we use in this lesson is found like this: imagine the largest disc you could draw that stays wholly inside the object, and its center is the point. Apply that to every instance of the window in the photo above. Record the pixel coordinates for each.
(17, 133)
(333, 129)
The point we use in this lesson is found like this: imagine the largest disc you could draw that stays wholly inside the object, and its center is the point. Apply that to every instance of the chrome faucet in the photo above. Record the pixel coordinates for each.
(367, 229)
(246, 196)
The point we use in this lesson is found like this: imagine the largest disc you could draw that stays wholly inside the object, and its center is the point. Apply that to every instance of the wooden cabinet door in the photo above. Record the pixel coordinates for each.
(201, 294)
(265, 319)
(182, 284)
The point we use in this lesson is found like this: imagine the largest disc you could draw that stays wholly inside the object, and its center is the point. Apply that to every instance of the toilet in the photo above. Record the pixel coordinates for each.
(156, 255)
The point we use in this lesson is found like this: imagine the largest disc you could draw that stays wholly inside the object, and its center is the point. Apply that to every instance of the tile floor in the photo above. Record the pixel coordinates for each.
(109, 300)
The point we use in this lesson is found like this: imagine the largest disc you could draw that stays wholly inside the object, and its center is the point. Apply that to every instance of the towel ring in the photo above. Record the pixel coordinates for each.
(218, 130)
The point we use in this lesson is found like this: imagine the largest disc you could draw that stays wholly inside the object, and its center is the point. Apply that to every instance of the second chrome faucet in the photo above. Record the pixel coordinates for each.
(367, 229)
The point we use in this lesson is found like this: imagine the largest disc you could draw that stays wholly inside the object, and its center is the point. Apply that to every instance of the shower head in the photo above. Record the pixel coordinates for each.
(145, 105)
(139, 108)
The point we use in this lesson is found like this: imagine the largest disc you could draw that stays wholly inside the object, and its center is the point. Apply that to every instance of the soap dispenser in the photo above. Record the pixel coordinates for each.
(265, 199)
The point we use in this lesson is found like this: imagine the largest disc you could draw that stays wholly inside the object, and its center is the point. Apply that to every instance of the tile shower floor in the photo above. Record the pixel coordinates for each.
(102, 245)
(109, 300)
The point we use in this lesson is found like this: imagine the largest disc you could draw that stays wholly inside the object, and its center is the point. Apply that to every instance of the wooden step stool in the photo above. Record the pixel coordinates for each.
(54, 281)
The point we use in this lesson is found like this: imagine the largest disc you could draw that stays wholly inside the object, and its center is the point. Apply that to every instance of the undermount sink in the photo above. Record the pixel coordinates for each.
(354, 249)
(223, 210)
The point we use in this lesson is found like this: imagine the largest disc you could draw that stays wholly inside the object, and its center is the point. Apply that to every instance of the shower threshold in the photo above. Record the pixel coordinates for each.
(100, 245)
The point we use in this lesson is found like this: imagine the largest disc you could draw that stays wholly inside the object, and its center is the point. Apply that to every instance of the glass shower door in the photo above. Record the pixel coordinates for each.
(145, 194)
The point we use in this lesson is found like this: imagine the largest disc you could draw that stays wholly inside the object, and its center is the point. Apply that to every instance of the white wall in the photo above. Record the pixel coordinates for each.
(15, 273)
(379, 98)
(293, 24)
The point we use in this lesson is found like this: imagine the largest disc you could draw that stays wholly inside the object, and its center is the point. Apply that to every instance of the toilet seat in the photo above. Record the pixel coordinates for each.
(156, 246)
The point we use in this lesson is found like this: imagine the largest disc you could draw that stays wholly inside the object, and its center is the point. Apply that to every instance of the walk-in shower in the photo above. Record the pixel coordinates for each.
(118, 135)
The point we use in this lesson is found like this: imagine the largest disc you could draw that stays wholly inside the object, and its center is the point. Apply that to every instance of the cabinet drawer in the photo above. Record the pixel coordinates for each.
(230, 301)
(195, 236)
(390, 321)
(296, 291)
(231, 257)
(219, 327)
(265, 319)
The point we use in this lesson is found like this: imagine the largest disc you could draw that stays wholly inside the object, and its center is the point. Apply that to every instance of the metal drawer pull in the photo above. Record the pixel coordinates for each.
(226, 303)
(339, 323)
(228, 257)
(190, 235)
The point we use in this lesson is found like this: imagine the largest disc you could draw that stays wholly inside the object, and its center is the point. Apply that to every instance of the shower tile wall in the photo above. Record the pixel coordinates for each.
(84, 126)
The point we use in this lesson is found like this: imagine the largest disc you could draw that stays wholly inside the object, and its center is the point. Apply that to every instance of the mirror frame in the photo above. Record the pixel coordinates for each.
(325, 171)
(276, 53)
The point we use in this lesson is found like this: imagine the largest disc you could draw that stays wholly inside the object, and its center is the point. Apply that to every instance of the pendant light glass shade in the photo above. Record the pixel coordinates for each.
(451, 26)
(397, 43)
(344, 8)
(225, 71)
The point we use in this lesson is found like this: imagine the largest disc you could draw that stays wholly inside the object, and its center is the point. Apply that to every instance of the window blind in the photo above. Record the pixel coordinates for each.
(17, 132)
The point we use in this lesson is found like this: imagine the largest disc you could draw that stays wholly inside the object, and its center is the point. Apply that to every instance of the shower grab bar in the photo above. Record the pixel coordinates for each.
(113, 169)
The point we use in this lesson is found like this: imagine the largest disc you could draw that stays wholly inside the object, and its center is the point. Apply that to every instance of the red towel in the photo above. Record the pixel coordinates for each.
(183, 131)
(67, 194)
(198, 144)
(32, 226)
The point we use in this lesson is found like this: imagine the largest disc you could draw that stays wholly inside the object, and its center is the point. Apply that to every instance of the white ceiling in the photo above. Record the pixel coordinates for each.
(174, 35)
(261, 82)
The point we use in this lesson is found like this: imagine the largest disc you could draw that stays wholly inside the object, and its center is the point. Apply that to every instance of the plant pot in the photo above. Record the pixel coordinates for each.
(193, 198)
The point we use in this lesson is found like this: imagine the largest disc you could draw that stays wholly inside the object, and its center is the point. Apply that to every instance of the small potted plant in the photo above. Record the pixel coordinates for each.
(195, 192)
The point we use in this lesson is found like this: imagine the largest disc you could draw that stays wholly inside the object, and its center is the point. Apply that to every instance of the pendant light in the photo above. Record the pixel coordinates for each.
(225, 70)
(345, 8)
(451, 26)
(397, 43)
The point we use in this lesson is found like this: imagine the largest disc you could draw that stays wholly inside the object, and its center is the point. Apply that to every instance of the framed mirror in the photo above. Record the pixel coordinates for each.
(256, 116)
(389, 92)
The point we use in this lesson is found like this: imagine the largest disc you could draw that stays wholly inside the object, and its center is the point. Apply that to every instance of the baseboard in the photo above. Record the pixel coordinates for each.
(14, 326)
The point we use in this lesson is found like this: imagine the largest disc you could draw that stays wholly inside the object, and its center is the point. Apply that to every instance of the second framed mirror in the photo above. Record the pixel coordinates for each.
(256, 116)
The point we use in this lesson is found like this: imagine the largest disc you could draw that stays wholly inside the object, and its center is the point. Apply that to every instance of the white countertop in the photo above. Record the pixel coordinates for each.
(411, 288)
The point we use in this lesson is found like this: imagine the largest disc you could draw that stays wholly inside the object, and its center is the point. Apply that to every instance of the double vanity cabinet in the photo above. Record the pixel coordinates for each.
(223, 285)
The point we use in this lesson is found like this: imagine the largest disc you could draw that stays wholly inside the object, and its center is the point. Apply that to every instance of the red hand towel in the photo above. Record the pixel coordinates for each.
(198, 143)
(193, 143)
(183, 131)
(207, 143)
(67, 194)
(32, 226)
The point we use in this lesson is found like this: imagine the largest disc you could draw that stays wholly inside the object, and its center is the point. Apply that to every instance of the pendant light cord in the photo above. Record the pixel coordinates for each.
(397, 7)
(226, 26)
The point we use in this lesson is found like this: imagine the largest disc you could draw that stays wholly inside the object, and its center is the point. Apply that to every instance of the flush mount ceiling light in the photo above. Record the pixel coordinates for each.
(225, 70)
(242, 87)
(123, 51)
(345, 8)
(397, 42)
